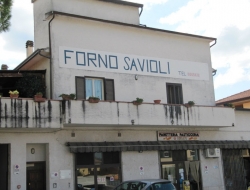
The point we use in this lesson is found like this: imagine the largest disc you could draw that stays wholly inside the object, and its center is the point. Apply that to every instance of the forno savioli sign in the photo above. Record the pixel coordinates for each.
(131, 64)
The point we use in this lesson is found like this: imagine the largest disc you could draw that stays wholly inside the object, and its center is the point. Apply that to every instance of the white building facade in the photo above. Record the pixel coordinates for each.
(98, 48)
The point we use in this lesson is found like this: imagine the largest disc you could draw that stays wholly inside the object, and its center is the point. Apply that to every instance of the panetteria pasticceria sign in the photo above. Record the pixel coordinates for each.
(166, 136)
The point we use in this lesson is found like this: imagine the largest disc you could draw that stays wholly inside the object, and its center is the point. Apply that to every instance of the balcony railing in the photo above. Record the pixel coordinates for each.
(55, 114)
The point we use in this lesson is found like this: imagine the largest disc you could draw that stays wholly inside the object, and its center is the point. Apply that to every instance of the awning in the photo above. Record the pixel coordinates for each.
(80, 147)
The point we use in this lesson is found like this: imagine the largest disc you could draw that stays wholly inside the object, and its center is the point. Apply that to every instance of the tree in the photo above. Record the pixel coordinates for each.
(5, 15)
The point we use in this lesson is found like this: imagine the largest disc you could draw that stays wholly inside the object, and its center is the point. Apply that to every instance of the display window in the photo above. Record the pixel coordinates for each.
(97, 171)
(182, 168)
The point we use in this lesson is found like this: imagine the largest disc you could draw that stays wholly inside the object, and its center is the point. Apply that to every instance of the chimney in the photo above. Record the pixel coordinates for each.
(29, 47)
(4, 67)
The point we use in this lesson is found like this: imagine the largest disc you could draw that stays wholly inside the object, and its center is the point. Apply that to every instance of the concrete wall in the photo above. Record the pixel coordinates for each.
(39, 153)
(132, 41)
(107, 11)
(51, 115)
(132, 161)
(211, 172)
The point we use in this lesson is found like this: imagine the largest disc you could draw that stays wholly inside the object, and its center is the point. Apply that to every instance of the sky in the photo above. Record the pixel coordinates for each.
(226, 20)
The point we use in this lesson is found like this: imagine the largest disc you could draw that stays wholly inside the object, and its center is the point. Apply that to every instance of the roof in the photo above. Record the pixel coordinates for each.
(124, 3)
(129, 25)
(32, 59)
(235, 98)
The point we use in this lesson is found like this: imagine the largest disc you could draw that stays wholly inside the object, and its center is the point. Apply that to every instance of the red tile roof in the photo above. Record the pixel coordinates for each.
(235, 97)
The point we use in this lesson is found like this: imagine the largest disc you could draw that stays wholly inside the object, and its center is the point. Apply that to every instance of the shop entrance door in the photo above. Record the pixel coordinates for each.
(174, 172)
(36, 179)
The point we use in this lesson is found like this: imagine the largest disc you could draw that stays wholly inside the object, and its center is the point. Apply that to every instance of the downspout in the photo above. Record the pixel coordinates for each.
(141, 11)
(50, 56)
(215, 41)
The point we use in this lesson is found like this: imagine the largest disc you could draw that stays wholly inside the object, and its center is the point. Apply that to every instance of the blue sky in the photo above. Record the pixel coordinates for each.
(222, 19)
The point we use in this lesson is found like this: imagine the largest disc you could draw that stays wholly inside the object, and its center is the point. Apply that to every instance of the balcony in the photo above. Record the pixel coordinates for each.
(24, 113)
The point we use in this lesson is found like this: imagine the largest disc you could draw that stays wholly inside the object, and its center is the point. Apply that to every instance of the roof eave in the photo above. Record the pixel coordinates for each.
(48, 14)
(123, 3)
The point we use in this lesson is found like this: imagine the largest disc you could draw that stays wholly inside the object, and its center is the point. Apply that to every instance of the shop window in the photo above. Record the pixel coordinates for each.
(97, 87)
(85, 159)
(99, 170)
(174, 93)
(176, 164)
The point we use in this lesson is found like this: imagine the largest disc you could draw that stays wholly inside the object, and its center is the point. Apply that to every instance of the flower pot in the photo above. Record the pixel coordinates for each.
(137, 103)
(93, 100)
(66, 97)
(14, 95)
(157, 101)
(39, 98)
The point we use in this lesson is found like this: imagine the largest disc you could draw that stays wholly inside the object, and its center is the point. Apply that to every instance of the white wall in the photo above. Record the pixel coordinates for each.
(211, 172)
(78, 33)
(132, 161)
(39, 154)
(89, 8)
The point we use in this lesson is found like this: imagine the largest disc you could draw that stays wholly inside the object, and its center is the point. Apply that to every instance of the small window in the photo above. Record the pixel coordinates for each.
(174, 93)
(97, 87)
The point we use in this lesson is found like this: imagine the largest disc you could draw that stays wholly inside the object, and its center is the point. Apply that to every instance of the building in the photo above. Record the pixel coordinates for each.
(99, 48)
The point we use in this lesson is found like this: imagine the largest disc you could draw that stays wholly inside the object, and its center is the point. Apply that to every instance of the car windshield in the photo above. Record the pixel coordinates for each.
(135, 185)
(162, 186)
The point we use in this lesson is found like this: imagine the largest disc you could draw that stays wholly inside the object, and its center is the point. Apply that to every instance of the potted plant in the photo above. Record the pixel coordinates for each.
(189, 104)
(39, 97)
(93, 99)
(14, 94)
(138, 101)
(157, 101)
(229, 105)
(68, 96)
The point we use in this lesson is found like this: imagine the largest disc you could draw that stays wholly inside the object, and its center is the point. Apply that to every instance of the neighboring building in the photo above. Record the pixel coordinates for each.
(239, 101)
(98, 48)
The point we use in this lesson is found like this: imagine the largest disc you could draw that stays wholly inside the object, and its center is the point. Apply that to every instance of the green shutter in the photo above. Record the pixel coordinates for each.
(109, 89)
(80, 88)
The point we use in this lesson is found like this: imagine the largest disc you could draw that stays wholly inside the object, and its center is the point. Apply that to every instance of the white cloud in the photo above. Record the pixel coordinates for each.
(227, 21)
(209, 17)
(12, 43)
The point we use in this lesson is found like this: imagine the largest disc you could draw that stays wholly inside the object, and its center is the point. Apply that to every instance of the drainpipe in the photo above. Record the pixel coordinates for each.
(49, 25)
(141, 11)
(215, 41)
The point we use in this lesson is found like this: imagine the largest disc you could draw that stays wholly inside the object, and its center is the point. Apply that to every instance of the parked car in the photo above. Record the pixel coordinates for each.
(146, 184)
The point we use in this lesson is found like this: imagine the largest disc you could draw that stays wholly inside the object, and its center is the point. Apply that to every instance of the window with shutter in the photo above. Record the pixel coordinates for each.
(174, 93)
(97, 87)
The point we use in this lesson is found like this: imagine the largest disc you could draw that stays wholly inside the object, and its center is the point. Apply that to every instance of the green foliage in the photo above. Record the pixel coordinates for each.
(93, 97)
(13, 92)
(30, 84)
(68, 96)
(229, 105)
(5, 15)
(191, 103)
(139, 100)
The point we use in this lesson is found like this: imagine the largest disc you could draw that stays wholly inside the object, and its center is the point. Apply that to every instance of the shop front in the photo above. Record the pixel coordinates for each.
(182, 167)
(188, 164)
(97, 170)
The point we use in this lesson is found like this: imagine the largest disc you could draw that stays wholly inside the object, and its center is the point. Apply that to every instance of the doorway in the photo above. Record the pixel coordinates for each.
(174, 172)
(4, 164)
(180, 165)
(36, 177)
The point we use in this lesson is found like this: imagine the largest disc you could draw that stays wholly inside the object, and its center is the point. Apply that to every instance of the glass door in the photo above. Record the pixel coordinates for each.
(174, 172)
